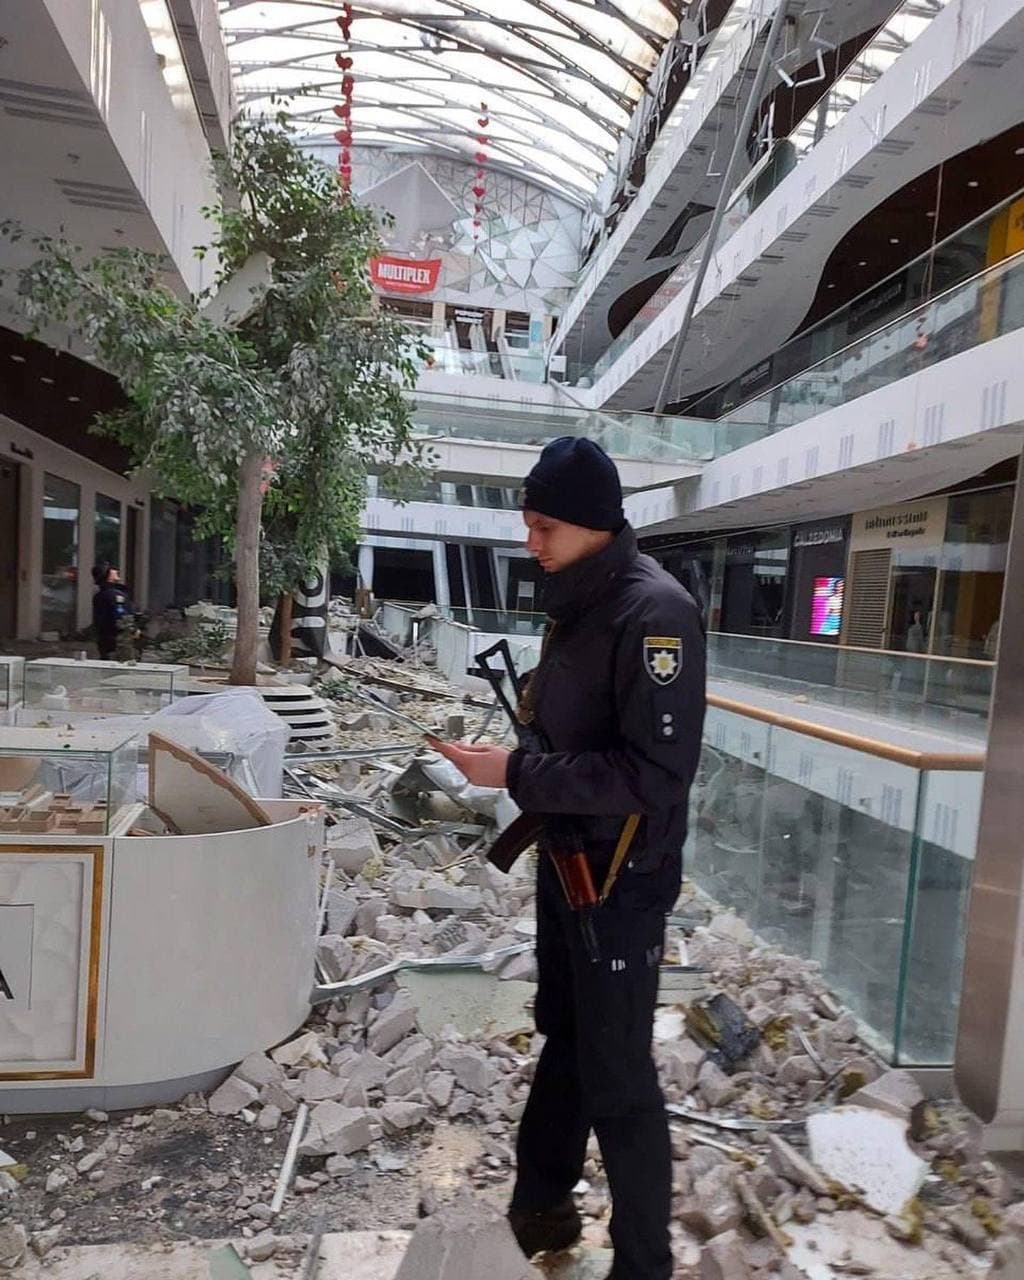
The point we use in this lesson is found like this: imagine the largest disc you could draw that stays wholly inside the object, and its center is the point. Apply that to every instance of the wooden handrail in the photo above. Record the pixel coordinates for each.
(926, 761)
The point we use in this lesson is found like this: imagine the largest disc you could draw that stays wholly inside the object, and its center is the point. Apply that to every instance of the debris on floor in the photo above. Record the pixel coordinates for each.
(791, 1141)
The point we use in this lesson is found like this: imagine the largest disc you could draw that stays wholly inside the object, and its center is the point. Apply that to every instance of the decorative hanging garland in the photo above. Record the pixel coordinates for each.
(479, 188)
(343, 110)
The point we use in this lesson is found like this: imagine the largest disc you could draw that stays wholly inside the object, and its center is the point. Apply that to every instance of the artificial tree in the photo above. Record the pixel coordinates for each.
(282, 409)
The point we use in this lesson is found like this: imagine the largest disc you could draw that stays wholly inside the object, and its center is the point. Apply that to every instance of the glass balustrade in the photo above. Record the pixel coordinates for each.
(987, 306)
(512, 622)
(949, 695)
(639, 436)
(854, 856)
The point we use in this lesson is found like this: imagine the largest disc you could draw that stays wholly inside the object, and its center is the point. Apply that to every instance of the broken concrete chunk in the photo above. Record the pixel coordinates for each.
(341, 911)
(714, 1207)
(321, 1085)
(233, 1096)
(261, 1248)
(681, 1063)
(799, 1069)
(352, 844)
(896, 1092)
(714, 1085)
(391, 1025)
(868, 1150)
(276, 1095)
(91, 1161)
(335, 956)
(470, 1067)
(791, 1165)
(398, 1116)
(438, 1088)
(42, 1242)
(305, 1050)
(724, 1258)
(268, 1119)
(967, 1229)
(13, 1243)
(336, 1130)
(259, 1070)
(462, 1241)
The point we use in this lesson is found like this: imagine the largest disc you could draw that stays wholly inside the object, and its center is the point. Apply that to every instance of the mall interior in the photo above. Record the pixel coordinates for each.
(770, 254)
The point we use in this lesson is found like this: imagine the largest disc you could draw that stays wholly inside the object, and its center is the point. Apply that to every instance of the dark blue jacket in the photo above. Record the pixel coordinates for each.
(619, 698)
(110, 604)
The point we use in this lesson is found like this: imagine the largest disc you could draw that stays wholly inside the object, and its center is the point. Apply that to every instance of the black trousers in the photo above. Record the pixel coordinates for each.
(596, 1072)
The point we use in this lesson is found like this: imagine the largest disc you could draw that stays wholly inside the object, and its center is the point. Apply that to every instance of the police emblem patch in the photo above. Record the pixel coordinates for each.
(663, 658)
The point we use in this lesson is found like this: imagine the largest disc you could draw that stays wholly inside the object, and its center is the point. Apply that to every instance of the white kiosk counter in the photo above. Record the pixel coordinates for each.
(136, 968)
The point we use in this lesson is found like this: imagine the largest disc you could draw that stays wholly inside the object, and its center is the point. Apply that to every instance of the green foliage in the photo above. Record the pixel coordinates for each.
(313, 380)
(205, 643)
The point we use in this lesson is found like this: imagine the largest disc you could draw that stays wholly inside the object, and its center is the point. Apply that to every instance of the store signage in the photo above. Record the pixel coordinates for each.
(49, 960)
(917, 523)
(819, 537)
(405, 275)
(875, 306)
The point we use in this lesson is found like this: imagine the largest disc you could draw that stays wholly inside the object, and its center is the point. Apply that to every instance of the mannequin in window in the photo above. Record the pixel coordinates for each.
(916, 633)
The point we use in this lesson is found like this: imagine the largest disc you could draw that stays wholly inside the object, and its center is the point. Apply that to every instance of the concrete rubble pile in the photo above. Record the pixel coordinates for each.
(796, 1152)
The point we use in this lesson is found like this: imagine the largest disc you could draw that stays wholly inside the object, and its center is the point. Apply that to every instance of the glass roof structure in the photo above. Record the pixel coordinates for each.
(555, 80)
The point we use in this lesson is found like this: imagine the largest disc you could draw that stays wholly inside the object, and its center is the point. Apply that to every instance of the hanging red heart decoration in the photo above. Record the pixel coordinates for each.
(346, 156)
(343, 110)
(478, 191)
(346, 10)
(347, 85)
(481, 156)
(483, 121)
(343, 61)
(344, 136)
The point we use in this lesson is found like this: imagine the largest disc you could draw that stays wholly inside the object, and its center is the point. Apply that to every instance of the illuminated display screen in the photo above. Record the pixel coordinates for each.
(827, 606)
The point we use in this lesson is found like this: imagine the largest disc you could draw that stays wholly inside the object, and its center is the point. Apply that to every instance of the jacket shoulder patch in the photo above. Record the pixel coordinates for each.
(663, 658)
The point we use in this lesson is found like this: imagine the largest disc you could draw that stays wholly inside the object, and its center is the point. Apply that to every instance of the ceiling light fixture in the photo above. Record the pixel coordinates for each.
(862, 264)
(74, 399)
(973, 182)
(17, 359)
(48, 381)
(894, 239)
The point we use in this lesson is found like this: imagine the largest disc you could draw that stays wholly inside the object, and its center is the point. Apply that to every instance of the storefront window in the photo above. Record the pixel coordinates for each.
(108, 532)
(754, 597)
(971, 577)
(61, 512)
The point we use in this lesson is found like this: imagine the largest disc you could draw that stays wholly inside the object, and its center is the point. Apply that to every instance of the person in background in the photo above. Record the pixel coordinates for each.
(112, 609)
(611, 738)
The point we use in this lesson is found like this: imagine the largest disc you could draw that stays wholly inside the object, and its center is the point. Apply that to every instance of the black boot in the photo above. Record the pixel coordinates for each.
(549, 1231)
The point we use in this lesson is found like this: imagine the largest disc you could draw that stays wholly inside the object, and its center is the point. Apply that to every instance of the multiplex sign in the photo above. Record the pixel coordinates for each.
(405, 275)
(921, 524)
(50, 941)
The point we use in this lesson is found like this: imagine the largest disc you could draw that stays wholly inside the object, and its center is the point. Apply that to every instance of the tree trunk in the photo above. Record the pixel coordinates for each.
(286, 628)
(247, 568)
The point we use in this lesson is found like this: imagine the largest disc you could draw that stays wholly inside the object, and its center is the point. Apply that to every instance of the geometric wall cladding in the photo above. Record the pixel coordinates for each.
(527, 255)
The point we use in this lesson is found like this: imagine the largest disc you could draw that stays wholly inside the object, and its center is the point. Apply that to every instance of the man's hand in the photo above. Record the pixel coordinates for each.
(483, 766)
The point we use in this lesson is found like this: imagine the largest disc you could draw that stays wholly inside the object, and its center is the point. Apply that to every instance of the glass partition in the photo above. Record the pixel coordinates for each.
(108, 533)
(61, 515)
(855, 857)
(948, 694)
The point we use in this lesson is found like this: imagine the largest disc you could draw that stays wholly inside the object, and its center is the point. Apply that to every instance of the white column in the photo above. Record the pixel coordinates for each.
(366, 567)
(442, 594)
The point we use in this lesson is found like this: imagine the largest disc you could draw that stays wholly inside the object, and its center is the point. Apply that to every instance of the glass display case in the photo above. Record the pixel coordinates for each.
(65, 782)
(12, 681)
(101, 688)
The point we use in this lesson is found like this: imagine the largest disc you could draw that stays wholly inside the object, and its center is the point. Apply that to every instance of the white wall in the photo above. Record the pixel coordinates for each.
(153, 125)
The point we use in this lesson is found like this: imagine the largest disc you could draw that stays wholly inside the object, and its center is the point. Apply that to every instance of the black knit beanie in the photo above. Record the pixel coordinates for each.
(575, 481)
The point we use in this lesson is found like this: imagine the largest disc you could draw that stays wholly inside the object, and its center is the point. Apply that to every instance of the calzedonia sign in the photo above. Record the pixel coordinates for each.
(405, 275)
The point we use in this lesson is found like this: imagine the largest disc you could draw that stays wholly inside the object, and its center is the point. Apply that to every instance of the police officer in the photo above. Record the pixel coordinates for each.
(615, 706)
